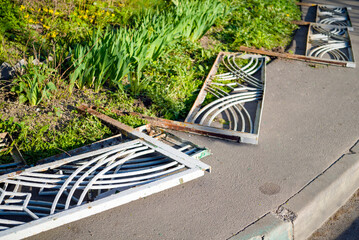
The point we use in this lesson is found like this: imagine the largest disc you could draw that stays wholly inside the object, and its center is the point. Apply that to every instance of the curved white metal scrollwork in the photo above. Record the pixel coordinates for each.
(233, 89)
(45, 190)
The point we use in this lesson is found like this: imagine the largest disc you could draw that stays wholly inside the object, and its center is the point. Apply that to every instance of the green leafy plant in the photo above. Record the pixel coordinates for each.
(11, 31)
(258, 23)
(197, 17)
(115, 54)
(10, 20)
(103, 58)
(35, 85)
(149, 55)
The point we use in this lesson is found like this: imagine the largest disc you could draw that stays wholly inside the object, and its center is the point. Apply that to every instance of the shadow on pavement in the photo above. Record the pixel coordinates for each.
(352, 232)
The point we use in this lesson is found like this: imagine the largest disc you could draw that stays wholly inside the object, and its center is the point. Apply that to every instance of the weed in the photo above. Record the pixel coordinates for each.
(197, 17)
(258, 23)
(35, 85)
(10, 20)
(127, 51)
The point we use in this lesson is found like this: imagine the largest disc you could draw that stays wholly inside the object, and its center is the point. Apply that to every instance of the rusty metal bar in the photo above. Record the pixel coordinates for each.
(306, 4)
(300, 22)
(190, 127)
(295, 57)
(135, 134)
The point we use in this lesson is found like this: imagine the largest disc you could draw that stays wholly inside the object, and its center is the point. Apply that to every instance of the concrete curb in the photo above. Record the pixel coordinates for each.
(267, 227)
(307, 210)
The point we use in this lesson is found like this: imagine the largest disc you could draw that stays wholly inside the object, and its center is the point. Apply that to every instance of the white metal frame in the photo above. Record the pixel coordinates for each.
(181, 168)
(245, 88)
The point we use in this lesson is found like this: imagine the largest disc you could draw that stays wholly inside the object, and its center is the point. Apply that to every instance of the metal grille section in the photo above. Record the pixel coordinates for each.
(333, 15)
(236, 95)
(329, 42)
(51, 189)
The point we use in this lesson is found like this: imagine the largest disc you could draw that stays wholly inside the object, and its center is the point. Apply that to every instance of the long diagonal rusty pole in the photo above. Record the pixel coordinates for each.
(135, 134)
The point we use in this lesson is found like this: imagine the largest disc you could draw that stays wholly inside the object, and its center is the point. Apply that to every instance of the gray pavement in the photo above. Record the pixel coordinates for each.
(310, 119)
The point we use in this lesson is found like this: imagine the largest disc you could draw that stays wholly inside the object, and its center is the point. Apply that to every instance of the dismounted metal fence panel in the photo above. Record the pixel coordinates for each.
(333, 15)
(52, 194)
(328, 39)
(330, 42)
(231, 99)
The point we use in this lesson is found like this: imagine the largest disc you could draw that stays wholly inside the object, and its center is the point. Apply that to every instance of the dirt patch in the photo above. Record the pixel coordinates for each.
(56, 113)
(143, 101)
(207, 43)
(278, 49)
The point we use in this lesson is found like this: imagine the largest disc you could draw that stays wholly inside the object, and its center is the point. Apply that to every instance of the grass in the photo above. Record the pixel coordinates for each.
(144, 56)
(39, 142)
(259, 23)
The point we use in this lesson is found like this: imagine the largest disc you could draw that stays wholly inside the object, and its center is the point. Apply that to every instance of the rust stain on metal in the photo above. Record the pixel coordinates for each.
(175, 125)
(300, 22)
(124, 129)
(306, 4)
(291, 56)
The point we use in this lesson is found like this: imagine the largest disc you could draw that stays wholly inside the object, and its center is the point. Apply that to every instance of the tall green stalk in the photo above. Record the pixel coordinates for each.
(113, 54)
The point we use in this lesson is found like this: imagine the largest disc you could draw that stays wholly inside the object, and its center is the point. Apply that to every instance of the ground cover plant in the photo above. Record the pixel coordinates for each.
(144, 56)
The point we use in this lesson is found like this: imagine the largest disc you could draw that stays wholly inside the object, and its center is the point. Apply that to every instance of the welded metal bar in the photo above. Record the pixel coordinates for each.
(228, 106)
(334, 15)
(241, 74)
(93, 180)
(330, 41)
(296, 57)
(239, 97)
(199, 129)
(64, 186)
(73, 214)
(92, 169)
(202, 95)
(100, 170)
(221, 93)
(237, 109)
(161, 147)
